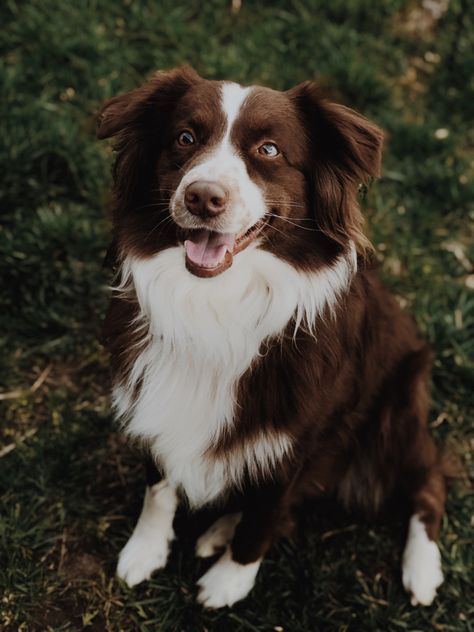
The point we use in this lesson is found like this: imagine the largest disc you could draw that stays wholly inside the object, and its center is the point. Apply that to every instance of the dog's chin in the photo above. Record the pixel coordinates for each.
(209, 253)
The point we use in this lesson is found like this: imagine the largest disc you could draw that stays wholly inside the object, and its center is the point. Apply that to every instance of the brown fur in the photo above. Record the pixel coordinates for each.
(355, 398)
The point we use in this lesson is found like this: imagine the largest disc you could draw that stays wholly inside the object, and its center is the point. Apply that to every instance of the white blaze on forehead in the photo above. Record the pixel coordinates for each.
(223, 163)
(233, 97)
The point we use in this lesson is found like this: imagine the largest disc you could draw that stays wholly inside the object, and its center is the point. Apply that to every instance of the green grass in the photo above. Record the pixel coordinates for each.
(71, 486)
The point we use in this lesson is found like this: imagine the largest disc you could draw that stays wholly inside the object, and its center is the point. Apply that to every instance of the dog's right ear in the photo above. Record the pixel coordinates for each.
(137, 121)
(147, 105)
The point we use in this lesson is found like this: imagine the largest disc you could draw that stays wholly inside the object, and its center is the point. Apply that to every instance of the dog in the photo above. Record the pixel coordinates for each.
(254, 351)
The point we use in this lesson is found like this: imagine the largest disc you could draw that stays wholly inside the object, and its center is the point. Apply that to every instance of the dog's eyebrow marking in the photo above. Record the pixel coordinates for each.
(233, 97)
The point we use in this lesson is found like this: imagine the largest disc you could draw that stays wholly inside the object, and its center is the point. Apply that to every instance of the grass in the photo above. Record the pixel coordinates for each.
(71, 486)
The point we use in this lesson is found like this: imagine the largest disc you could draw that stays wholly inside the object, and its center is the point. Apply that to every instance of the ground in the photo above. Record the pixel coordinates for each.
(71, 486)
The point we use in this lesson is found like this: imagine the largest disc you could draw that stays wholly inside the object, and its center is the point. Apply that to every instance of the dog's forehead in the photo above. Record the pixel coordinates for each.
(266, 103)
(269, 113)
(223, 103)
(204, 99)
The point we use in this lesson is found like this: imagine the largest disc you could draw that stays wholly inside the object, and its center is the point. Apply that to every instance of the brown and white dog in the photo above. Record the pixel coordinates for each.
(253, 352)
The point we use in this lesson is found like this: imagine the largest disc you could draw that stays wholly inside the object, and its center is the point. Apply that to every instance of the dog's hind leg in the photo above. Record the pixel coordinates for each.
(423, 481)
(421, 565)
(398, 455)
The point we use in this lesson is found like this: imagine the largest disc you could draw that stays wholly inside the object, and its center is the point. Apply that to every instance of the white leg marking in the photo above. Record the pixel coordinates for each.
(218, 536)
(147, 549)
(421, 566)
(226, 582)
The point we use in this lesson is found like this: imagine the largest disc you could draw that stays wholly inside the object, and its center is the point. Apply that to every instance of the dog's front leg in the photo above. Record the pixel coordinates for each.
(233, 576)
(147, 549)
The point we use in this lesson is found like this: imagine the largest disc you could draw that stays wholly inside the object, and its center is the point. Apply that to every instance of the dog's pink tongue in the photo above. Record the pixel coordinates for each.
(206, 248)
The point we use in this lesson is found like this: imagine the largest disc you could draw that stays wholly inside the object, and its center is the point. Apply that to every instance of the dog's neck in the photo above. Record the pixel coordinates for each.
(200, 337)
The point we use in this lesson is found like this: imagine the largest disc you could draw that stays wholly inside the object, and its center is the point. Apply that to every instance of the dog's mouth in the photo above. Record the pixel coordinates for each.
(209, 253)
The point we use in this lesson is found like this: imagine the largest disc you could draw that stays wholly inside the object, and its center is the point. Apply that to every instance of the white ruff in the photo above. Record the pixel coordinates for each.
(200, 337)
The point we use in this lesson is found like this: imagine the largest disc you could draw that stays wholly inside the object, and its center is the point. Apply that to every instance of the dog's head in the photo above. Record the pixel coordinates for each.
(216, 166)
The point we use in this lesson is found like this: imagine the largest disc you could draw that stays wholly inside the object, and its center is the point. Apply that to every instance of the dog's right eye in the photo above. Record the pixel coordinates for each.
(186, 138)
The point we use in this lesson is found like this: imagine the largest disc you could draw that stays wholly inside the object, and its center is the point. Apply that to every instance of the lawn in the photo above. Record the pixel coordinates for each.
(70, 484)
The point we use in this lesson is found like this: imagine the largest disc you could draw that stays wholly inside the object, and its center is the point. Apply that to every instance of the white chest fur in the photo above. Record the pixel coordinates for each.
(201, 335)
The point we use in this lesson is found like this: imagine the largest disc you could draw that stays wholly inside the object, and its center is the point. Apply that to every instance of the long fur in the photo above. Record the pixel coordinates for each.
(198, 339)
(272, 369)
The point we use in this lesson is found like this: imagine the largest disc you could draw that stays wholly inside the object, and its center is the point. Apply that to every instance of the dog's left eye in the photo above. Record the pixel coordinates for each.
(269, 149)
(186, 138)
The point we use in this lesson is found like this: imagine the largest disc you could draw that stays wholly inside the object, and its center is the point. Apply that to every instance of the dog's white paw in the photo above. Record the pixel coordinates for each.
(421, 566)
(147, 549)
(141, 556)
(226, 582)
(218, 536)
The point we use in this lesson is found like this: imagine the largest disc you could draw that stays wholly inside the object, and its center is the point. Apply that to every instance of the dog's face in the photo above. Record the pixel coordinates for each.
(232, 164)
(216, 166)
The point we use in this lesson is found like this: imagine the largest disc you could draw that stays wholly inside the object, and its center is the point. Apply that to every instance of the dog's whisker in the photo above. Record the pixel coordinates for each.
(288, 221)
(285, 203)
(160, 205)
(160, 223)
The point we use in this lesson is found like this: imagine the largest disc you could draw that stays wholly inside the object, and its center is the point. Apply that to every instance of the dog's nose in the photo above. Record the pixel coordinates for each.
(205, 198)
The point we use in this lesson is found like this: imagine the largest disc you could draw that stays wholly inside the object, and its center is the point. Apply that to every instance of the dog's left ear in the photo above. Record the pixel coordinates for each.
(345, 152)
